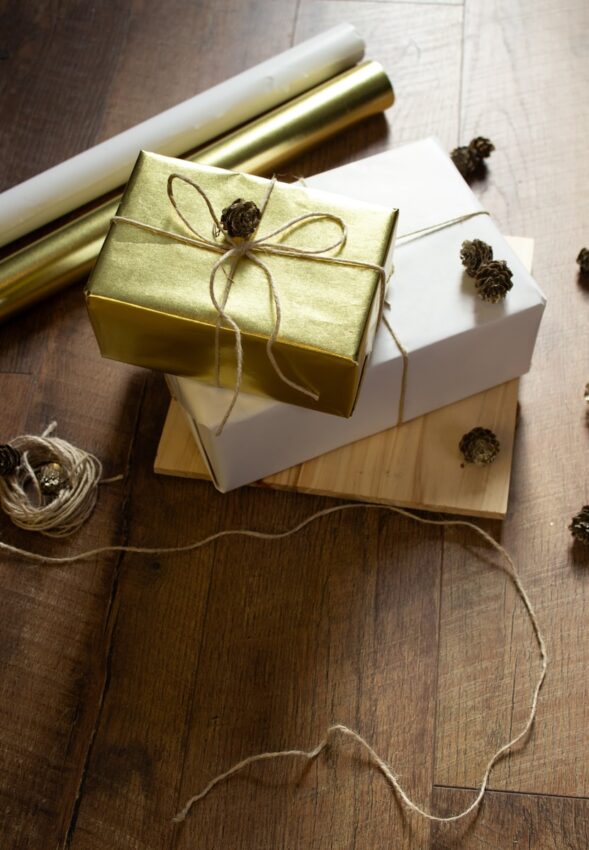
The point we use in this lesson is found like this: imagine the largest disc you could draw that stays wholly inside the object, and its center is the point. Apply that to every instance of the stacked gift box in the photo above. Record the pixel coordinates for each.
(308, 334)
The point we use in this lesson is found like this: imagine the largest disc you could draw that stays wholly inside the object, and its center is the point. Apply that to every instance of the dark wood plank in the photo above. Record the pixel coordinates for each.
(58, 61)
(55, 622)
(158, 614)
(325, 630)
(73, 76)
(517, 60)
(535, 822)
(176, 49)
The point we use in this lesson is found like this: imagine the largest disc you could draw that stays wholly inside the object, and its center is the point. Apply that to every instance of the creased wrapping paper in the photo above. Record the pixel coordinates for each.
(149, 299)
(458, 345)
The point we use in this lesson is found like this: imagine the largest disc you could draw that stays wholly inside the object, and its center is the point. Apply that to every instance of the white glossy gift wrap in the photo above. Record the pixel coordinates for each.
(458, 345)
(178, 130)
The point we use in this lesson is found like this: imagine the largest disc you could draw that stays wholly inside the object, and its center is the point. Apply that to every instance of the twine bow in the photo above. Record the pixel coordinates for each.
(233, 250)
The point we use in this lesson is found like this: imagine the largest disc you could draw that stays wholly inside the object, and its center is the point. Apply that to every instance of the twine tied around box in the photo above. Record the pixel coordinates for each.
(250, 248)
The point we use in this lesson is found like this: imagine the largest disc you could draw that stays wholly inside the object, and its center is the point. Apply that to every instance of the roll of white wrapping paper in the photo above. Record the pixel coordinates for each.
(196, 121)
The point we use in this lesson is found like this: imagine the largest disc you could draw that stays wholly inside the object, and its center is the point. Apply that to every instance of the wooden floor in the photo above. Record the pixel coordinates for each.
(126, 683)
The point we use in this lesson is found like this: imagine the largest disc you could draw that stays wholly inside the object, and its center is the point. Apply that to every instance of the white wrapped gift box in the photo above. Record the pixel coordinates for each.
(457, 344)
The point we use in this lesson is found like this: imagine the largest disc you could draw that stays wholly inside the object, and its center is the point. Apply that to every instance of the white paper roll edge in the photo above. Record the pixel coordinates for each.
(192, 123)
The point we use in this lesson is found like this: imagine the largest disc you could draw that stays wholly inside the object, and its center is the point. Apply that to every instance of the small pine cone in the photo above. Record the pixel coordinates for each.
(479, 446)
(465, 161)
(493, 280)
(240, 218)
(9, 459)
(583, 260)
(473, 253)
(481, 148)
(579, 526)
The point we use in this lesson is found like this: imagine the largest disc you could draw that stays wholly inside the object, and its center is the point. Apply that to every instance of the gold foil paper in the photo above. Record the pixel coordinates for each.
(149, 299)
(259, 147)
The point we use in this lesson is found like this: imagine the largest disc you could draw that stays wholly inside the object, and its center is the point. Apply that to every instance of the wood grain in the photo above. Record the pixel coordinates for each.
(535, 822)
(126, 683)
(481, 703)
(54, 623)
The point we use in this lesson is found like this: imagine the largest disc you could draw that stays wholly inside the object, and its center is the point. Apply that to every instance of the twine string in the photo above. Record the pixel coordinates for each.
(251, 249)
(403, 239)
(506, 564)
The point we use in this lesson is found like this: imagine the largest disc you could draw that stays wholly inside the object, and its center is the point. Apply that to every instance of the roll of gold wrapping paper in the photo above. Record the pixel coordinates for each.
(259, 147)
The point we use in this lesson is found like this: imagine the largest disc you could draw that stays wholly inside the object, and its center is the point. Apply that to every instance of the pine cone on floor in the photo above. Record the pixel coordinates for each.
(481, 148)
(493, 280)
(583, 260)
(469, 158)
(240, 218)
(579, 526)
(473, 253)
(465, 162)
(479, 446)
(9, 459)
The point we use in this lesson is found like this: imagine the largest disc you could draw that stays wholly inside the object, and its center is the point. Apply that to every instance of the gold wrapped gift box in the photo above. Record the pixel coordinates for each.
(149, 300)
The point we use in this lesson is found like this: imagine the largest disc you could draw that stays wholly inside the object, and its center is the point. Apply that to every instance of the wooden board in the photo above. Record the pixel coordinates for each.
(417, 465)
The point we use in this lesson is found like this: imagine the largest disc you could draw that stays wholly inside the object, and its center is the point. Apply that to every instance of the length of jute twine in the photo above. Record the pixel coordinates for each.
(90, 470)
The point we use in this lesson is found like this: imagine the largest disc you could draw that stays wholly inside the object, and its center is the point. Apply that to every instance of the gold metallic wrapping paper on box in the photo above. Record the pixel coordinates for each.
(149, 300)
(260, 146)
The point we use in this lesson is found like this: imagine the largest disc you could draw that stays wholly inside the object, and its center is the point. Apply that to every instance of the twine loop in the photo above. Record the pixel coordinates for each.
(21, 495)
(233, 250)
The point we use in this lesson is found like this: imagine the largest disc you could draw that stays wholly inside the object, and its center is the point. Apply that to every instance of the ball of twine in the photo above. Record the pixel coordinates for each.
(22, 499)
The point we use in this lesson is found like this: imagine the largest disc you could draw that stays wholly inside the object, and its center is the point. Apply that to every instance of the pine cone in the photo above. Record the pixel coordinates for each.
(465, 161)
(583, 260)
(493, 280)
(473, 253)
(479, 446)
(469, 158)
(481, 148)
(579, 526)
(240, 218)
(9, 459)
